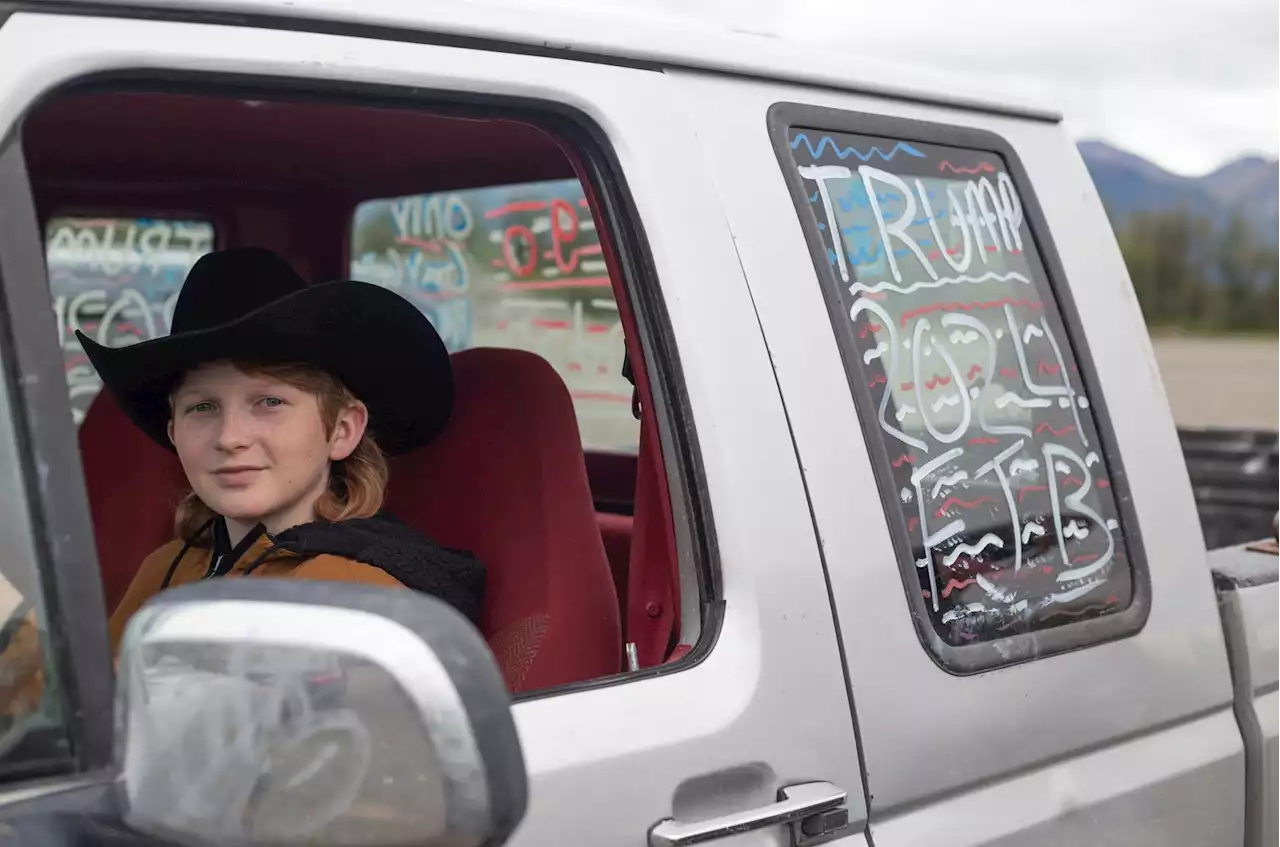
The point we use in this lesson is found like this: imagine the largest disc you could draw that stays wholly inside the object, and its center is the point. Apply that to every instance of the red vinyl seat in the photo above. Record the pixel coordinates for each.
(507, 481)
(134, 486)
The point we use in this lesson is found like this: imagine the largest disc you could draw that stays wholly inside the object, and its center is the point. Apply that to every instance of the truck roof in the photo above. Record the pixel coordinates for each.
(613, 34)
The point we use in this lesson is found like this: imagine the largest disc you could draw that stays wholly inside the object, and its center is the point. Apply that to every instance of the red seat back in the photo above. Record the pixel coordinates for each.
(507, 481)
(134, 486)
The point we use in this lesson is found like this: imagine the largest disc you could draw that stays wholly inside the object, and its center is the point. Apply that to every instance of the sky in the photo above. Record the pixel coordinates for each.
(1188, 85)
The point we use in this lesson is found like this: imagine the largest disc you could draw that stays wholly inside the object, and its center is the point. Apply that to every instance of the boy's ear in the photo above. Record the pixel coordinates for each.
(348, 430)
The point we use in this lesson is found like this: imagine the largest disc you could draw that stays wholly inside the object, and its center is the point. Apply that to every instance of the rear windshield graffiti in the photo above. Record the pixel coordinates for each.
(510, 266)
(971, 387)
(115, 279)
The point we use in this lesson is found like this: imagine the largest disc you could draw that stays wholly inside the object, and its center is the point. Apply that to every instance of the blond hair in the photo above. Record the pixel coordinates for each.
(357, 484)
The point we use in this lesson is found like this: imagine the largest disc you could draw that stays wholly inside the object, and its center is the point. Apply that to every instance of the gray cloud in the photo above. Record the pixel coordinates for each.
(1186, 84)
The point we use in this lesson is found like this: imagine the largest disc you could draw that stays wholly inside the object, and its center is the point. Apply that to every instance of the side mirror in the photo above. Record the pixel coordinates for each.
(273, 712)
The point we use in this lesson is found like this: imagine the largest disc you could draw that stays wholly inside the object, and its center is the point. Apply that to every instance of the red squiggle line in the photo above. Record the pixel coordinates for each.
(1058, 433)
(878, 380)
(529, 206)
(1083, 557)
(1027, 488)
(980, 168)
(1043, 367)
(1009, 373)
(553, 284)
(964, 504)
(911, 523)
(904, 459)
(968, 307)
(953, 585)
(936, 380)
(1102, 483)
(431, 246)
(907, 386)
(1077, 479)
(869, 328)
(983, 440)
(976, 369)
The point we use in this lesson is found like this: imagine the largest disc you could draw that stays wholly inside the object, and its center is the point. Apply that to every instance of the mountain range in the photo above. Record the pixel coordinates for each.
(1248, 187)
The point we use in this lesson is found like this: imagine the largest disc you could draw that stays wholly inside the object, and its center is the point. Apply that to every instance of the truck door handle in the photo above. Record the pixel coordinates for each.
(812, 809)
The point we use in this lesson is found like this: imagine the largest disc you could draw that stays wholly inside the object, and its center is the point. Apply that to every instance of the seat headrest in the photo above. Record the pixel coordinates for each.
(507, 480)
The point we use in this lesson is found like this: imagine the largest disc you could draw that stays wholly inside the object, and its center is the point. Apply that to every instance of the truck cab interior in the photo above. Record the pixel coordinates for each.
(488, 218)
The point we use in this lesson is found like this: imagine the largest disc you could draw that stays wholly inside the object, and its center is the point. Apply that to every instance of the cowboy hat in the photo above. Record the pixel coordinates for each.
(248, 305)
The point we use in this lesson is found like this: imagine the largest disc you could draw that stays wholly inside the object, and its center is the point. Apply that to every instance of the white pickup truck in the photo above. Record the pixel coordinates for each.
(890, 544)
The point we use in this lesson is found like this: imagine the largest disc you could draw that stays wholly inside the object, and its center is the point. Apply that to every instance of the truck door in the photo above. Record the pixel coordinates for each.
(1015, 561)
(746, 730)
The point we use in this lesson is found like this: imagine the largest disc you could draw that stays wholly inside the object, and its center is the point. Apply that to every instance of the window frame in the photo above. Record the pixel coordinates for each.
(61, 527)
(1014, 649)
(616, 217)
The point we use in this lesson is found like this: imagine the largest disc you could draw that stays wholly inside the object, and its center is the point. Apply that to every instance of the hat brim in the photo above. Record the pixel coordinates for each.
(377, 343)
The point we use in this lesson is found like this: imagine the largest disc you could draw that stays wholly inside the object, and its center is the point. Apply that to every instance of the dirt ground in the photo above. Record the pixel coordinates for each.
(1221, 382)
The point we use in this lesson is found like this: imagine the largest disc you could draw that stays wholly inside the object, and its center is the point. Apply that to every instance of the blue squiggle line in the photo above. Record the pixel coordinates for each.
(813, 198)
(850, 230)
(868, 261)
(843, 153)
(849, 200)
(863, 256)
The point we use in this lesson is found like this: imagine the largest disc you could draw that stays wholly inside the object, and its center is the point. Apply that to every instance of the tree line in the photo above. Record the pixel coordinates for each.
(1193, 276)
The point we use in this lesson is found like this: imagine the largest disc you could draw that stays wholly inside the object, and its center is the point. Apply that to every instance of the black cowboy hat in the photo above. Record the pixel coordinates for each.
(248, 305)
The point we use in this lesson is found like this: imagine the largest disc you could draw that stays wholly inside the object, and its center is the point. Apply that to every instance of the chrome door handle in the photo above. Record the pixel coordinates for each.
(795, 804)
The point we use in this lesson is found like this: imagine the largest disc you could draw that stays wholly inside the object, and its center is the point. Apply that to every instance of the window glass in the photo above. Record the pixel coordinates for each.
(116, 280)
(967, 385)
(510, 266)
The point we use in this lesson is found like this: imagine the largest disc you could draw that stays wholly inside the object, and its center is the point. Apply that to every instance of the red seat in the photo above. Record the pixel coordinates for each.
(134, 486)
(507, 481)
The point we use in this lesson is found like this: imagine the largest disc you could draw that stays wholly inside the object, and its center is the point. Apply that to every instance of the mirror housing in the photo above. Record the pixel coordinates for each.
(272, 712)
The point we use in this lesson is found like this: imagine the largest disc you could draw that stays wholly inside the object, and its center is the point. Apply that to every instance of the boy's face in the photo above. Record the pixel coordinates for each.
(254, 448)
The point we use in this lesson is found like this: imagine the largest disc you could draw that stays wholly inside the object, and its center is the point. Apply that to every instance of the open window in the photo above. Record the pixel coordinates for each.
(487, 218)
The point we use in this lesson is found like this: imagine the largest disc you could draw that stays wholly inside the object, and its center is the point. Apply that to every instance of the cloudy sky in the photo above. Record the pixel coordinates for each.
(1189, 84)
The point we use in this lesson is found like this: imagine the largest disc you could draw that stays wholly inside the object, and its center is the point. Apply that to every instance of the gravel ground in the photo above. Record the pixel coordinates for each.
(1221, 382)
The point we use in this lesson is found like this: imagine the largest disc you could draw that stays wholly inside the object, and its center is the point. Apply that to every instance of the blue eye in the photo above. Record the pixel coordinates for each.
(272, 402)
(199, 407)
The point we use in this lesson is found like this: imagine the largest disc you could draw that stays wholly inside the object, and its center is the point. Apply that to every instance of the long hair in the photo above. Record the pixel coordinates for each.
(357, 484)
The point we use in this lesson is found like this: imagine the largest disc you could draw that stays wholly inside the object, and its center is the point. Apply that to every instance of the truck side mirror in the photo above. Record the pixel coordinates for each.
(272, 712)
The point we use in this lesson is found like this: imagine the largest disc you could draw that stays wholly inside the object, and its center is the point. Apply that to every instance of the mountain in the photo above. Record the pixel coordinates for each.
(1249, 187)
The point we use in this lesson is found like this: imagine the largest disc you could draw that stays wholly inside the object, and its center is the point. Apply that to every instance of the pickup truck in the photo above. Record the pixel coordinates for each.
(807, 425)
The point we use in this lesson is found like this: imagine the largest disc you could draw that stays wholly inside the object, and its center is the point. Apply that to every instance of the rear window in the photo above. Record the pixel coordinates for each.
(968, 385)
(510, 266)
(116, 279)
